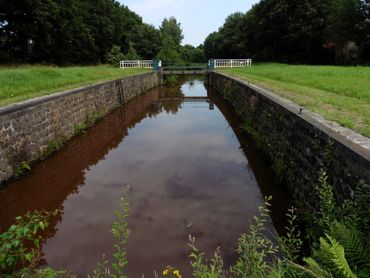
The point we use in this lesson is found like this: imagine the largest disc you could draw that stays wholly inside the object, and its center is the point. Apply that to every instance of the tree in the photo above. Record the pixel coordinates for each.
(114, 56)
(192, 54)
(232, 44)
(286, 31)
(16, 19)
(170, 55)
(64, 32)
(348, 27)
(212, 45)
(146, 40)
(131, 54)
(171, 32)
(171, 37)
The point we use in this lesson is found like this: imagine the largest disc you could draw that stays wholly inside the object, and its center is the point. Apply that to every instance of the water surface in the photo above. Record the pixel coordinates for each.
(187, 169)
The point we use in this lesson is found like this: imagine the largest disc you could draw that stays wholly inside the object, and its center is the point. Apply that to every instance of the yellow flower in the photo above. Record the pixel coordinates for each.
(171, 271)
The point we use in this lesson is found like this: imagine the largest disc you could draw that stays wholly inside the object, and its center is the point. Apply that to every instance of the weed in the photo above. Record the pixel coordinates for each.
(21, 169)
(54, 146)
(279, 167)
(89, 122)
(258, 138)
(80, 128)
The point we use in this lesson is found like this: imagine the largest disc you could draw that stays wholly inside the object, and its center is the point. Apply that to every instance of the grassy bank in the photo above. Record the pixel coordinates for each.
(21, 83)
(340, 94)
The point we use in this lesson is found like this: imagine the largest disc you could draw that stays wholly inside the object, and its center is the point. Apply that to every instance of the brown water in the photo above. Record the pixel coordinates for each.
(188, 168)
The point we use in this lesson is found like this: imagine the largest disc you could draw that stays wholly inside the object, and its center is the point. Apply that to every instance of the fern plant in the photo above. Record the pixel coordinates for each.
(329, 260)
(344, 251)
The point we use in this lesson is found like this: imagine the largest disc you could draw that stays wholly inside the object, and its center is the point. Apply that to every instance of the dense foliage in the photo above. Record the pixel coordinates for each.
(83, 32)
(299, 31)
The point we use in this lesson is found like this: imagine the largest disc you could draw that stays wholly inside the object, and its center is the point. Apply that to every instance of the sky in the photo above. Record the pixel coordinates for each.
(198, 18)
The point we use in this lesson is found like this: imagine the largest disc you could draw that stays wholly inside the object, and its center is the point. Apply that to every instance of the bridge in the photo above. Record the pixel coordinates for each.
(186, 68)
(183, 69)
(191, 99)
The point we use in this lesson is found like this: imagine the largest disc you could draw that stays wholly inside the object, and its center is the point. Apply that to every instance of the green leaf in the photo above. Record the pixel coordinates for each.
(28, 257)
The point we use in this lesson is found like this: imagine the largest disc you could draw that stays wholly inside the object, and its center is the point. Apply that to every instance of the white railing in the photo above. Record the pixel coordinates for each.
(147, 64)
(232, 63)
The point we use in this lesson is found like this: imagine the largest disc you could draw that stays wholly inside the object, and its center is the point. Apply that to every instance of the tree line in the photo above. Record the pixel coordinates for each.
(296, 31)
(81, 32)
(85, 32)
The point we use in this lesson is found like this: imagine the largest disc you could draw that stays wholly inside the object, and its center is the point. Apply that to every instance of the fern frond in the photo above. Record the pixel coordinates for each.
(314, 269)
(354, 243)
(330, 257)
(339, 258)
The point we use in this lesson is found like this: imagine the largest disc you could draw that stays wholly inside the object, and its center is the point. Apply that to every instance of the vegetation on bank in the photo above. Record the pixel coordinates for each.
(21, 83)
(340, 94)
(337, 233)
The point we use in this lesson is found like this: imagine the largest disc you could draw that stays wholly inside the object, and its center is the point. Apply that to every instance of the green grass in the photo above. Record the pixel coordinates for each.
(340, 94)
(21, 83)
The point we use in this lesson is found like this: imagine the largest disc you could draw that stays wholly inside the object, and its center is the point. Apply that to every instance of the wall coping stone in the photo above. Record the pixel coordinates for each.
(18, 106)
(347, 137)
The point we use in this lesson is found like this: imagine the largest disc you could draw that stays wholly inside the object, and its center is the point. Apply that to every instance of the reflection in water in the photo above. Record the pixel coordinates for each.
(186, 172)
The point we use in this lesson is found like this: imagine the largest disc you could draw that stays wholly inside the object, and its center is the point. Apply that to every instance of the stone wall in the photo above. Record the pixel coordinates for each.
(30, 128)
(298, 142)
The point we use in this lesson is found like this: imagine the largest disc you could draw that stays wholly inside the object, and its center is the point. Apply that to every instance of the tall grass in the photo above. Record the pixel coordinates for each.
(340, 94)
(21, 83)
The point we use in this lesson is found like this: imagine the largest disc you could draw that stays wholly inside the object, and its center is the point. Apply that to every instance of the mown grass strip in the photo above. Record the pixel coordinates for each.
(25, 82)
(340, 94)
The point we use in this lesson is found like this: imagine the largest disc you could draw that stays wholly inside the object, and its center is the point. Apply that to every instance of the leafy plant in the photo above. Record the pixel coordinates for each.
(20, 244)
(254, 247)
(291, 244)
(121, 232)
(201, 267)
(258, 256)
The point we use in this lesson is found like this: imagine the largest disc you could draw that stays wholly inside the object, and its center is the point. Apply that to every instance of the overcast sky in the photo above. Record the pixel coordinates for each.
(198, 18)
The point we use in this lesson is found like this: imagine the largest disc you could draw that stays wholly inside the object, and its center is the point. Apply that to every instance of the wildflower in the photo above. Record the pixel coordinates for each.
(171, 272)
